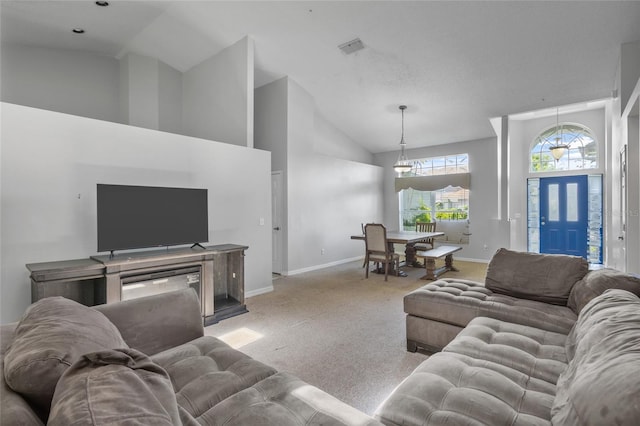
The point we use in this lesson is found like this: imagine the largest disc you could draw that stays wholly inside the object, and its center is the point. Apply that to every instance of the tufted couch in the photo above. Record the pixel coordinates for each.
(145, 361)
(517, 352)
(543, 341)
(524, 288)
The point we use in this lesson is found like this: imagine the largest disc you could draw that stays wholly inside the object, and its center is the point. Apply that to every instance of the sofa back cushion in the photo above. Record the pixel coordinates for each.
(52, 334)
(601, 383)
(543, 277)
(596, 282)
(111, 387)
(169, 319)
(14, 409)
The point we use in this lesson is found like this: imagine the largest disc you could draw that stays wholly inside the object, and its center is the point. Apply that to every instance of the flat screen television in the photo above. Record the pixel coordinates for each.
(132, 217)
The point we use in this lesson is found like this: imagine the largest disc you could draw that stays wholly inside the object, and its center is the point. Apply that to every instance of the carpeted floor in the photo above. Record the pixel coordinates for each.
(335, 329)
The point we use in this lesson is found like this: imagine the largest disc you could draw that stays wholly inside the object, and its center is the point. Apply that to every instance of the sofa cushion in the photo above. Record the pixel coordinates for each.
(451, 388)
(492, 373)
(596, 282)
(457, 301)
(159, 328)
(206, 370)
(283, 400)
(601, 384)
(52, 334)
(14, 409)
(537, 353)
(544, 277)
(120, 386)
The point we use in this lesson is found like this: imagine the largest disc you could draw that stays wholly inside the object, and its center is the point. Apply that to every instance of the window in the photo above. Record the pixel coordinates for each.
(446, 204)
(428, 206)
(582, 153)
(447, 165)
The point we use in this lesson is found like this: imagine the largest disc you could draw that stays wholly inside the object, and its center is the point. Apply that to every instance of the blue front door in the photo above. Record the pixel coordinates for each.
(563, 215)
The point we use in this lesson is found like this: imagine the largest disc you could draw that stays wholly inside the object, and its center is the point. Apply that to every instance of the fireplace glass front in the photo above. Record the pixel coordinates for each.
(160, 282)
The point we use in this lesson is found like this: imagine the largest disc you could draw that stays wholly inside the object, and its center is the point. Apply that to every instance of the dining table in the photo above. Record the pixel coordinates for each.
(408, 239)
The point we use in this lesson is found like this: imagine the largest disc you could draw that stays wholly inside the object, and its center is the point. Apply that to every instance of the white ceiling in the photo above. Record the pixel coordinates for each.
(455, 64)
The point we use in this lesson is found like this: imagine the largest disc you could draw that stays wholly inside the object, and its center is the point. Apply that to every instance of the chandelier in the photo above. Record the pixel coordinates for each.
(403, 164)
(559, 148)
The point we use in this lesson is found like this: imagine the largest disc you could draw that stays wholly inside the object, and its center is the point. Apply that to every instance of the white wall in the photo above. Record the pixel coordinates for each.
(633, 199)
(150, 94)
(169, 99)
(49, 173)
(331, 141)
(270, 106)
(123, 91)
(328, 198)
(629, 75)
(142, 81)
(138, 90)
(61, 80)
(485, 227)
(628, 122)
(218, 95)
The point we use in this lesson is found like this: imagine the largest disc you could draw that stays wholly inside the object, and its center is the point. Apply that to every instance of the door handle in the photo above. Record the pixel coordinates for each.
(621, 238)
(277, 228)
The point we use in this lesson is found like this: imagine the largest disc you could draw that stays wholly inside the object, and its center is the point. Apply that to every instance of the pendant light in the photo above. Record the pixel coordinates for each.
(559, 148)
(403, 164)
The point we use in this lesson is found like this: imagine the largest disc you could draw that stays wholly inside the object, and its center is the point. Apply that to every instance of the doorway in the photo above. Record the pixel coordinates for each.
(564, 216)
(277, 215)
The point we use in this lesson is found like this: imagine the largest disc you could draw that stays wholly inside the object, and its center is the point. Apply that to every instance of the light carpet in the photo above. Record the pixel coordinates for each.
(335, 329)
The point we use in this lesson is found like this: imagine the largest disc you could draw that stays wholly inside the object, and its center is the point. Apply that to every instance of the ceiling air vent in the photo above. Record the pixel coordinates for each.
(351, 46)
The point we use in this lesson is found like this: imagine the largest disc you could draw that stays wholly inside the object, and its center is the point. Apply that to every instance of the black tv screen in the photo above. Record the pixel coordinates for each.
(131, 217)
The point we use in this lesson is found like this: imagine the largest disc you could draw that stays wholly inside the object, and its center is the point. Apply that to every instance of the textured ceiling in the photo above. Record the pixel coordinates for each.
(455, 64)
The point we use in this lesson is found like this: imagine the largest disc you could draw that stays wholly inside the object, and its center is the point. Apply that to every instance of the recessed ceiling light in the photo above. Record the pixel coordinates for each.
(78, 30)
(102, 3)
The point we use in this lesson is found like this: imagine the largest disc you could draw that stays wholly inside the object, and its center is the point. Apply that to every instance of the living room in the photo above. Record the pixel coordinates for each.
(131, 105)
(64, 86)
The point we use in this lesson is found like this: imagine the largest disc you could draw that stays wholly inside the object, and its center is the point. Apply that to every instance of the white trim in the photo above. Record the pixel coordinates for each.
(259, 291)
(323, 266)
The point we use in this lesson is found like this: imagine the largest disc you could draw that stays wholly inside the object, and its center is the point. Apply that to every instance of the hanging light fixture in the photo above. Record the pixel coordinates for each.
(403, 164)
(559, 148)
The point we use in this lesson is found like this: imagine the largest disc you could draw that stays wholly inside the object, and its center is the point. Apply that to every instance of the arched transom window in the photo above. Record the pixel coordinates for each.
(581, 152)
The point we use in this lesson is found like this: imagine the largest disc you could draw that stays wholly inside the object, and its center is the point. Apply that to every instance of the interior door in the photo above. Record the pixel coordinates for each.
(563, 215)
(276, 218)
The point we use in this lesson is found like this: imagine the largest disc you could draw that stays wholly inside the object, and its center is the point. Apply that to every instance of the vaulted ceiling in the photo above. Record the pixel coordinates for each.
(455, 64)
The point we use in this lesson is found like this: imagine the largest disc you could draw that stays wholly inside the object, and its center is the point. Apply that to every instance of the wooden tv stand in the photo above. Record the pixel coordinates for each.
(98, 279)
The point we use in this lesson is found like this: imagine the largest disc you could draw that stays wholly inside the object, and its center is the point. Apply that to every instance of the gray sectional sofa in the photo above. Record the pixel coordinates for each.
(524, 288)
(543, 342)
(145, 362)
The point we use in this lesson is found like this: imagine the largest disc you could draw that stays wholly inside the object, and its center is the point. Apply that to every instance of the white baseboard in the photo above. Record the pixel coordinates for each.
(259, 291)
(323, 266)
(469, 259)
(353, 259)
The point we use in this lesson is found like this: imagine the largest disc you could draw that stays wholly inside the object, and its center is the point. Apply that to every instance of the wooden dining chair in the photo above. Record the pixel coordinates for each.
(377, 249)
(423, 245)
